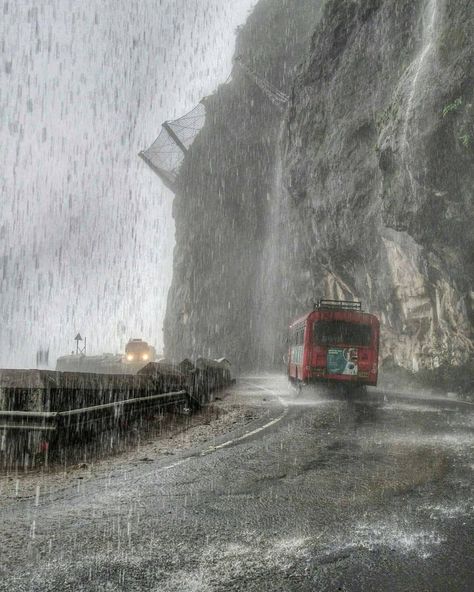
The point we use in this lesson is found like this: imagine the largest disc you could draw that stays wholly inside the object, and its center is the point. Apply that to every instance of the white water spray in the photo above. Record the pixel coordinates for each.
(420, 66)
(270, 266)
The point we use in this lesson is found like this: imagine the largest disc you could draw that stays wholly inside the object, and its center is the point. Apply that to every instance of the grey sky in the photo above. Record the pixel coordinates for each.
(86, 233)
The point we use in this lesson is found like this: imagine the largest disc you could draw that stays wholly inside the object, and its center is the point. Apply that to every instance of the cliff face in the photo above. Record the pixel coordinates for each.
(363, 190)
(379, 170)
(225, 186)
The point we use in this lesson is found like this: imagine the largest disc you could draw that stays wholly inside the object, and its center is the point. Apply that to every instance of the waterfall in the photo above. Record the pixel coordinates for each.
(270, 277)
(420, 65)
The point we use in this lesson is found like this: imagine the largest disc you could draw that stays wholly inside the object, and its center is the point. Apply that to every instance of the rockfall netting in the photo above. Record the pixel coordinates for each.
(167, 152)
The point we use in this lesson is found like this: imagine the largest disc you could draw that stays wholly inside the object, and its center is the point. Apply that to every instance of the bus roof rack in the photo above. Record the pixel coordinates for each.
(339, 304)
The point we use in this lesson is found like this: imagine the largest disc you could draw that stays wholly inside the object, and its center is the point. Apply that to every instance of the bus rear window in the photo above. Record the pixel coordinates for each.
(341, 333)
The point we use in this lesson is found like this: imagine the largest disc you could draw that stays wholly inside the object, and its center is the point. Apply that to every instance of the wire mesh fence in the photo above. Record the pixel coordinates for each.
(165, 156)
(167, 152)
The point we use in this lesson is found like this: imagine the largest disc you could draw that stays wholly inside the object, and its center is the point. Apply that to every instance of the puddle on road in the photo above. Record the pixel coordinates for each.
(446, 511)
(309, 402)
(456, 442)
(414, 408)
(401, 538)
(296, 555)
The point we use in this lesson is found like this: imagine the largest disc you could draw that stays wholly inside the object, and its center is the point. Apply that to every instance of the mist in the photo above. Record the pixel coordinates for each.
(86, 230)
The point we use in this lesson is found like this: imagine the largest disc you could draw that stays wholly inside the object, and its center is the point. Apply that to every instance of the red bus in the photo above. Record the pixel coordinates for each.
(336, 342)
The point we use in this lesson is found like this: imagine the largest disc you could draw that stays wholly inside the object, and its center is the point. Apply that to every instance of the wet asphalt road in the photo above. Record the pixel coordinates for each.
(337, 493)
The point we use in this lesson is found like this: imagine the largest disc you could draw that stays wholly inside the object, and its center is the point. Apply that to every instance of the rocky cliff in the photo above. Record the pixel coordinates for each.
(225, 186)
(379, 170)
(364, 189)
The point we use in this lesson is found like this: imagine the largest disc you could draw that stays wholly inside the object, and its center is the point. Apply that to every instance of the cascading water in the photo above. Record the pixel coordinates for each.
(420, 67)
(268, 334)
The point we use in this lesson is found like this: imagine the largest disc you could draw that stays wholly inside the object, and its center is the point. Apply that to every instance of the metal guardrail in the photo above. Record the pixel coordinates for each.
(165, 399)
(39, 414)
(27, 427)
(32, 427)
(175, 396)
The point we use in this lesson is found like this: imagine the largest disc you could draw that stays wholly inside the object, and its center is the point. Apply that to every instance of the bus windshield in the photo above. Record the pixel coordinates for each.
(341, 333)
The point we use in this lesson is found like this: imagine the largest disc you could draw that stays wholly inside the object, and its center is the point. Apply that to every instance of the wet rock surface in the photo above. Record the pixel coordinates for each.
(225, 186)
(378, 177)
(362, 189)
(366, 492)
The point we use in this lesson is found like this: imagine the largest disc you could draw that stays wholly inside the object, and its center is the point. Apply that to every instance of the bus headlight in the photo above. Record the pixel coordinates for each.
(129, 357)
(145, 357)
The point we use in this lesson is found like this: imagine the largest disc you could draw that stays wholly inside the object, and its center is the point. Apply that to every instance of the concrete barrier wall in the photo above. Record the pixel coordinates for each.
(40, 406)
